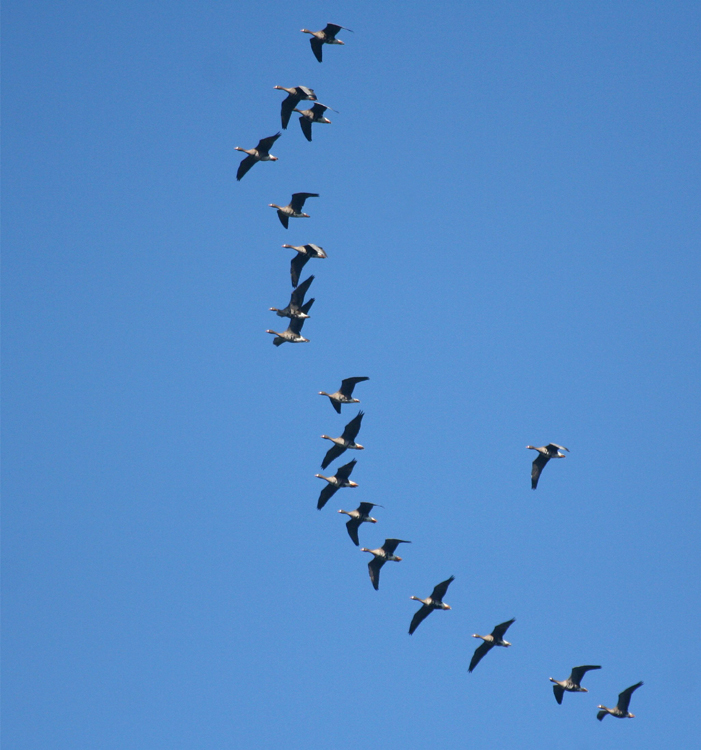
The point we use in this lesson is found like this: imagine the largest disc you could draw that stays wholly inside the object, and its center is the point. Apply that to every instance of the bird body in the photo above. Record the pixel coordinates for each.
(293, 334)
(495, 638)
(360, 515)
(313, 115)
(571, 684)
(327, 35)
(295, 95)
(344, 395)
(545, 453)
(621, 709)
(260, 153)
(335, 483)
(435, 601)
(345, 442)
(294, 308)
(294, 208)
(380, 556)
(304, 253)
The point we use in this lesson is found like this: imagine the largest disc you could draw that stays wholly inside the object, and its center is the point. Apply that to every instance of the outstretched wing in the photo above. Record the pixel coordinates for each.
(331, 29)
(315, 251)
(284, 219)
(579, 672)
(316, 44)
(538, 466)
(306, 125)
(441, 588)
(501, 628)
(265, 144)
(343, 472)
(554, 447)
(391, 544)
(353, 428)
(245, 165)
(305, 93)
(601, 715)
(287, 108)
(365, 508)
(479, 654)
(559, 692)
(297, 202)
(419, 617)
(296, 325)
(318, 109)
(297, 298)
(332, 454)
(624, 697)
(352, 526)
(348, 384)
(326, 494)
(374, 568)
(296, 266)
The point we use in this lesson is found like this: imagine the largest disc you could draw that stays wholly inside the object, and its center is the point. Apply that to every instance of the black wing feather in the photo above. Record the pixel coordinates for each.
(348, 384)
(352, 526)
(332, 454)
(538, 466)
(419, 617)
(500, 629)
(479, 654)
(316, 44)
(326, 494)
(265, 144)
(306, 125)
(343, 472)
(297, 298)
(353, 428)
(296, 266)
(440, 590)
(624, 697)
(245, 165)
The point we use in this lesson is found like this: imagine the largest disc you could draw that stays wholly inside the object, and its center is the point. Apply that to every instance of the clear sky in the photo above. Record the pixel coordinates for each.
(509, 203)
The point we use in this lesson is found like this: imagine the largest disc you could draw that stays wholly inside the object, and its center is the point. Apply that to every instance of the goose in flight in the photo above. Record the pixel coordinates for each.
(345, 442)
(293, 334)
(435, 601)
(294, 96)
(495, 638)
(545, 453)
(294, 208)
(360, 515)
(260, 153)
(571, 684)
(344, 395)
(380, 556)
(621, 709)
(294, 309)
(327, 35)
(340, 479)
(304, 253)
(309, 116)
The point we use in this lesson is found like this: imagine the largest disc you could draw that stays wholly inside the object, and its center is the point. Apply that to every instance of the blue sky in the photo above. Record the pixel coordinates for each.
(509, 202)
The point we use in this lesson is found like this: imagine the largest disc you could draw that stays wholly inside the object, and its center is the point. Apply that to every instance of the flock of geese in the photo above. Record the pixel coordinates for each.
(298, 311)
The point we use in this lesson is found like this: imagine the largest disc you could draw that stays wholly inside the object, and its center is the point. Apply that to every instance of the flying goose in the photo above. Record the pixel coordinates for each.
(326, 36)
(546, 452)
(309, 116)
(294, 308)
(259, 153)
(571, 684)
(435, 601)
(344, 394)
(380, 556)
(295, 95)
(345, 442)
(304, 253)
(293, 333)
(340, 479)
(293, 208)
(621, 710)
(358, 516)
(495, 638)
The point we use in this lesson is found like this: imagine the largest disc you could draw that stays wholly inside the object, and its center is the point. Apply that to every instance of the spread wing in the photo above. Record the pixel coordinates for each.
(265, 144)
(348, 384)
(297, 298)
(297, 202)
(331, 29)
(284, 219)
(624, 697)
(559, 692)
(352, 525)
(287, 108)
(336, 405)
(307, 306)
(343, 472)
(365, 508)
(479, 654)
(419, 617)
(296, 266)
(374, 567)
(296, 325)
(391, 544)
(306, 125)
(316, 44)
(326, 494)
(601, 715)
(500, 629)
(554, 447)
(332, 454)
(318, 109)
(315, 251)
(305, 93)
(350, 433)
(538, 466)
(440, 590)
(245, 165)
(579, 672)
